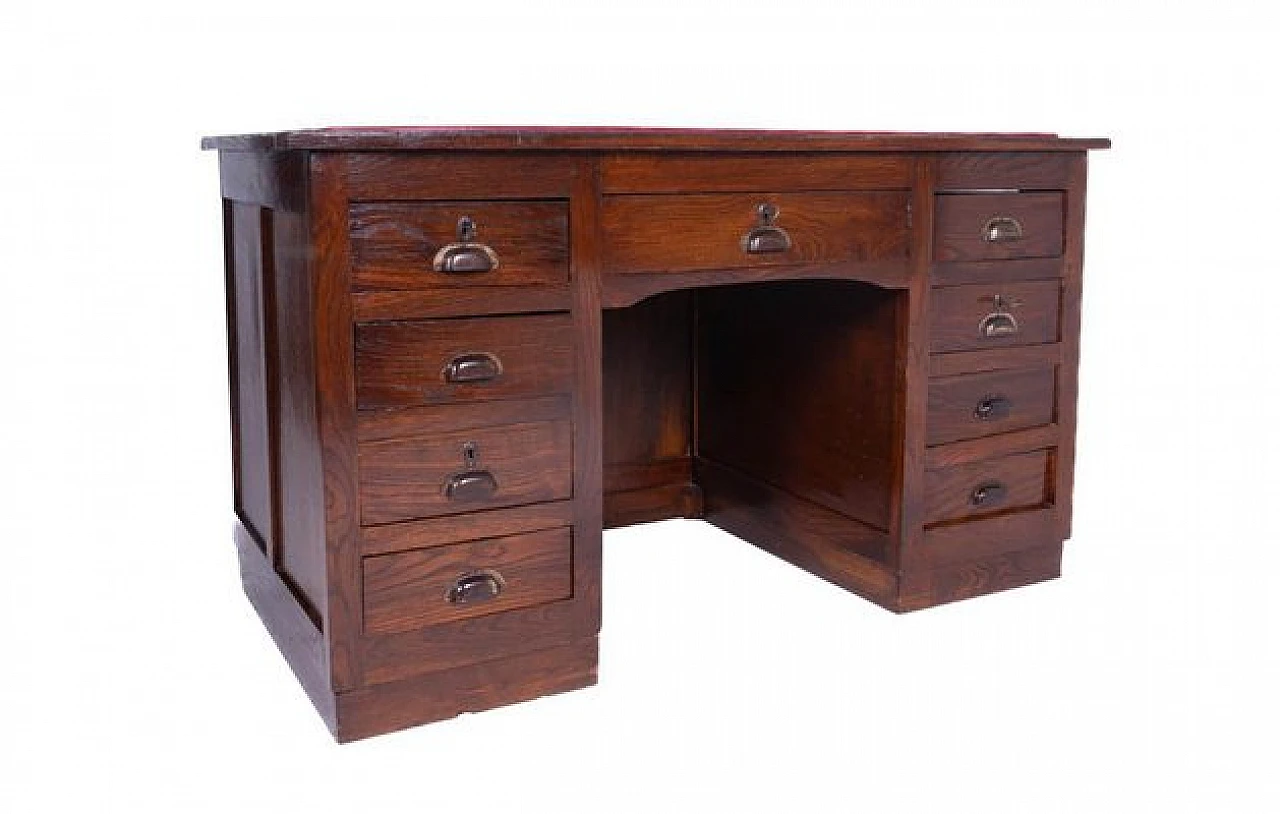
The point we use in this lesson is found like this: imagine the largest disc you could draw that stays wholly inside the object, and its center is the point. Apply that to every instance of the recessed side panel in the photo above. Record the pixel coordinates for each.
(797, 387)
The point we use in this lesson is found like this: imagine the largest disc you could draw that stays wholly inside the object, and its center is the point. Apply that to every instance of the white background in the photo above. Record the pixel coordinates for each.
(135, 677)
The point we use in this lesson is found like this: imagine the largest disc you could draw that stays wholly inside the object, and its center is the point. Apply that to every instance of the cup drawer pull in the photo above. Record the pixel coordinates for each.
(1002, 229)
(472, 589)
(477, 484)
(988, 494)
(465, 256)
(467, 368)
(992, 408)
(766, 238)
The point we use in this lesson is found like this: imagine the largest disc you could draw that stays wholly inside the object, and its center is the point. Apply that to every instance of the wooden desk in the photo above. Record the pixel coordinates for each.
(458, 354)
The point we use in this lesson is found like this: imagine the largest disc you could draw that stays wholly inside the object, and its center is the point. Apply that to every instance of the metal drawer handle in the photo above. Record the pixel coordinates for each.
(475, 485)
(1000, 323)
(992, 408)
(766, 238)
(465, 256)
(476, 587)
(468, 368)
(987, 494)
(1002, 229)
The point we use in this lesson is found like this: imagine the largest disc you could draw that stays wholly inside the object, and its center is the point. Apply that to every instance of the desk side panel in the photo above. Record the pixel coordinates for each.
(279, 493)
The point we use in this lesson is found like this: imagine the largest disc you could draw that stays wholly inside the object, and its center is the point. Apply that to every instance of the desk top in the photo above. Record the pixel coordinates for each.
(641, 138)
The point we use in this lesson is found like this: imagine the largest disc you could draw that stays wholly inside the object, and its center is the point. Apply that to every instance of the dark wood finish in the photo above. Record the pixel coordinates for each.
(983, 537)
(423, 461)
(991, 272)
(964, 220)
(665, 233)
(807, 405)
(413, 589)
(448, 693)
(406, 478)
(1068, 370)
(1023, 171)
(955, 364)
(1013, 482)
(393, 245)
(336, 408)
(981, 404)
(979, 576)
(404, 364)
(372, 306)
(958, 313)
(455, 176)
(292, 629)
(649, 173)
(642, 138)
(837, 548)
(442, 530)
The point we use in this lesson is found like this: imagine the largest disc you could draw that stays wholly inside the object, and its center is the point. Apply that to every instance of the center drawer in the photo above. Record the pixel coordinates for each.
(463, 471)
(695, 232)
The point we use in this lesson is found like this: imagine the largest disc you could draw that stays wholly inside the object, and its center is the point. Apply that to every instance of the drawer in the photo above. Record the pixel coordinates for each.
(459, 244)
(973, 317)
(980, 404)
(649, 233)
(994, 485)
(415, 589)
(400, 364)
(998, 227)
(466, 470)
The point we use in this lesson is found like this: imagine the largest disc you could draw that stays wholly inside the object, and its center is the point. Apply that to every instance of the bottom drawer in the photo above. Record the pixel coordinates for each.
(415, 589)
(985, 487)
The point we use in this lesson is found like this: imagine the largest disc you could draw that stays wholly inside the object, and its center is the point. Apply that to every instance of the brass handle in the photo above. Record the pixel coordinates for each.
(465, 256)
(477, 484)
(992, 408)
(1002, 229)
(470, 589)
(998, 324)
(466, 368)
(988, 493)
(766, 238)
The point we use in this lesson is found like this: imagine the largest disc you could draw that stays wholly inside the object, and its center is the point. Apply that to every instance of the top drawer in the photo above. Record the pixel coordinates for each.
(649, 233)
(1002, 226)
(459, 244)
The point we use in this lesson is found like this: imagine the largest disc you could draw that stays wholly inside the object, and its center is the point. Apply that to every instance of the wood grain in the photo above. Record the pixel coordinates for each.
(949, 492)
(961, 221)
(410, 590)
(465, 139)
(1016, 171)
(665, 233)
(404, 478)
(648, 173)
(957, 312)
(393, 244)
(954, 403)
(402, 364)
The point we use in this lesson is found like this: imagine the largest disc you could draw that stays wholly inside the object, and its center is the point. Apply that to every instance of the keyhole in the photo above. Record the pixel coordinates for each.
(767, 213)
(470, 454)
(466, 229)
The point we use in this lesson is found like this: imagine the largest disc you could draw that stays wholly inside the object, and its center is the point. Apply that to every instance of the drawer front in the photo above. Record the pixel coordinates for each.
(998, 227)
(400, 364)
(429, 586)
(995, 485)
(448, 473)
(980, 404)
(648, 233)
(976, 317)
(459, 244)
